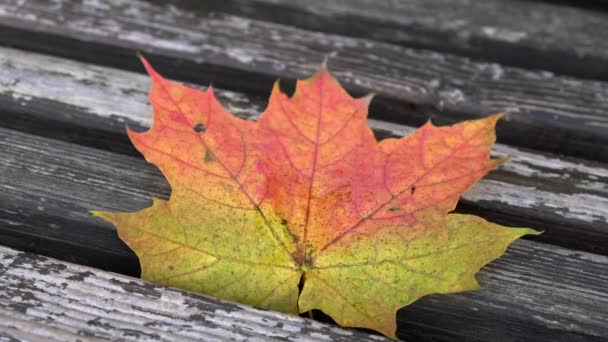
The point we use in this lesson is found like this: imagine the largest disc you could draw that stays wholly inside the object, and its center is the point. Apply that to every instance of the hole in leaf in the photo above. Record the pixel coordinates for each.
(200, 128)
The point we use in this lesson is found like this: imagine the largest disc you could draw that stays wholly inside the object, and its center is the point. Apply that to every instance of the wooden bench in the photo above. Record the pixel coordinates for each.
(69, 81)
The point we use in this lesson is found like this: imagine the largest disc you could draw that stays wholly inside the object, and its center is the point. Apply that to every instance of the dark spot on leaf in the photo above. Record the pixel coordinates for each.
(309, 258)
(170, 267)
(209, 157)
(413, 189)
(200, 128)
(393, 209)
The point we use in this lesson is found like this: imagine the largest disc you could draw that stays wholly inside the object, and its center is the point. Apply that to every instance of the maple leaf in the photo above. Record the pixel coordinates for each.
(307, 194)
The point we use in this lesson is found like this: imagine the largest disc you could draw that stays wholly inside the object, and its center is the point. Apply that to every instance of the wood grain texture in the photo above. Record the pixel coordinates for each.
(528, 34)
(544, 111)
(48, 300)
(88, 105)
(64, 152)
(535, 292)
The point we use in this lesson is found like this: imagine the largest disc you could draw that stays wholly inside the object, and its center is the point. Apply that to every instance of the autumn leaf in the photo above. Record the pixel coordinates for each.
(307, 194)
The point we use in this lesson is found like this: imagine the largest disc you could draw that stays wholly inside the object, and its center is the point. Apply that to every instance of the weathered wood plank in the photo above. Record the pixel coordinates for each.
(544, 111)
(529, 34)
(89, 105)
(48, 300)
(535, 292)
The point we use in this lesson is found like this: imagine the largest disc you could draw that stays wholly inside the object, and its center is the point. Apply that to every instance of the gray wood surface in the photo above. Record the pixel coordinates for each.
(44, 299)
(530, 34)
(63, 151)
(89, 105)
(544, 111)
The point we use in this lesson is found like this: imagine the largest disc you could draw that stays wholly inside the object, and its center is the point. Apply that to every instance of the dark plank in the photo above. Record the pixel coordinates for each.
(528, 34)
(49, 300)
(535, 292)
(544, 111)
(597, 5)
(89, 105)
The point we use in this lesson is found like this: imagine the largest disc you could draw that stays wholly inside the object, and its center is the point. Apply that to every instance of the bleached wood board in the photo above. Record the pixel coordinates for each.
(544, 111)
(43, 299)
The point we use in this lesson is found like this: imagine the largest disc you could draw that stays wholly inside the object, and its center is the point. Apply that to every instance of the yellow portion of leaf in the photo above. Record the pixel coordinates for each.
(363, 280)
(205, 247)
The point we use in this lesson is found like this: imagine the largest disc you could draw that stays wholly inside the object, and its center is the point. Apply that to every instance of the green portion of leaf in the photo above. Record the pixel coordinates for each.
(364, 280)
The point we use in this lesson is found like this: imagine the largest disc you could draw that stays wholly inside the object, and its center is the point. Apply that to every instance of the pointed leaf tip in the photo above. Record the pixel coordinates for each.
(367, 99)
(498, 115)
(149, 69)
(277, 84)
(501, 161)
(106, 215)
(530, 231)
(130, 132)
(324, 63)
(495, 117)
